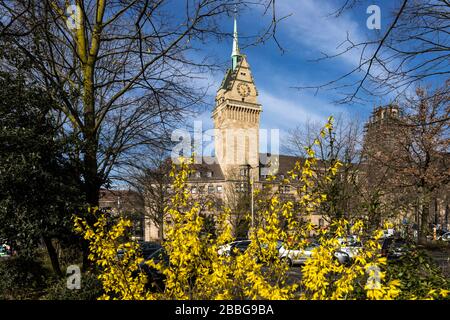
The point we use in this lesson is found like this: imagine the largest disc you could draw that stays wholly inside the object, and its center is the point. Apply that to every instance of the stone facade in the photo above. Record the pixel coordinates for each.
(236, 118)
(238, 163)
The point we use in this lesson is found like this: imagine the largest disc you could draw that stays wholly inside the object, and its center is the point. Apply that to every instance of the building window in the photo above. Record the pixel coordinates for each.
(240, 187)
(197, 174)
(209, 174)
(244, 172)
(219, 189)
(211, 189)
(202, 189)
(194, 190)
(285, 189)
(321, 223)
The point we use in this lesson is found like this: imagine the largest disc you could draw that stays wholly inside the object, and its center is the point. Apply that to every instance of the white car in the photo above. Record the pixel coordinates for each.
(4, 250)
(350, 246)
(300, 256)
(239, 245)
(293, 256)
(445, 237)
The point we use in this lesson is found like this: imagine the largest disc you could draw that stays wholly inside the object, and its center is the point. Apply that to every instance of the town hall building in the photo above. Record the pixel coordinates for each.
(238, 162)
(237, 166)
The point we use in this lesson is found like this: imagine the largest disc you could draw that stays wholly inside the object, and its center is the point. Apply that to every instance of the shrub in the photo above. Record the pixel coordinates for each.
(22, 278)
(419, 275)
(91, 289)
(195, 270)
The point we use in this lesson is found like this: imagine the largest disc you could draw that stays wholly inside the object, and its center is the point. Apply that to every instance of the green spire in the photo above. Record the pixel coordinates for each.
(235, 53)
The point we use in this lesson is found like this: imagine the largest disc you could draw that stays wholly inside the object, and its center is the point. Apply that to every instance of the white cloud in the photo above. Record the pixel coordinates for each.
(310, 26)
(285, 113)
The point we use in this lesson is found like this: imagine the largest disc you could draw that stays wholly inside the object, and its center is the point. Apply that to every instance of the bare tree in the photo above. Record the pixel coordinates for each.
(344, 144)
(237, 198)
(153, 184)
(412, 47)
(412, 159)
(122, 72)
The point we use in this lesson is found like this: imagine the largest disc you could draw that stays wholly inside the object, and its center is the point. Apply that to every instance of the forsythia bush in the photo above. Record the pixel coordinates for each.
(197, 271)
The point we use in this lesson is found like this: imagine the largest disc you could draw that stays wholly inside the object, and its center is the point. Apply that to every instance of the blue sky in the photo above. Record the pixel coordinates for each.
(308, 31)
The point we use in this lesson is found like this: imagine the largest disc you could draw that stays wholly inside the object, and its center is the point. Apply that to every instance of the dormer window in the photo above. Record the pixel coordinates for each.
(209, 174)
(285, 189)
(244, 172)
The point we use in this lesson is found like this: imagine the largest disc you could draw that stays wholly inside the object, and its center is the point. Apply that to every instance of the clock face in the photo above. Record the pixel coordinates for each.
(243, 89)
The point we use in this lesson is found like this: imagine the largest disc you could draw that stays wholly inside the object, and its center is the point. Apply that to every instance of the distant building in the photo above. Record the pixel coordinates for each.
(237, 161)
(386, 140)
(126, 203)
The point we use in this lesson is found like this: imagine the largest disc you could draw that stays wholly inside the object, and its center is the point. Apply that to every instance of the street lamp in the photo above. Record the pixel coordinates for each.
(250, 182)
(251, 200)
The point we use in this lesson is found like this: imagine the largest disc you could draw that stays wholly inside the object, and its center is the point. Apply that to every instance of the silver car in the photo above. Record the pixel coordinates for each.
(299, 256)
(350, 246)
(445, 237)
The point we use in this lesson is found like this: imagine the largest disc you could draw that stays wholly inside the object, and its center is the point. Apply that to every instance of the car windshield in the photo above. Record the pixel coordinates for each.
(399, 243)
(240, 244)
(279, 244)
(158, 255)
(150, 245)
(311, 247)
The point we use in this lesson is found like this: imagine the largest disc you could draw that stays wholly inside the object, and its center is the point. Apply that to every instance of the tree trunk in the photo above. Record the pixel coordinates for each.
(91, 176)
(92, 189)
(53, 256)
(161, 228)
(424, 222)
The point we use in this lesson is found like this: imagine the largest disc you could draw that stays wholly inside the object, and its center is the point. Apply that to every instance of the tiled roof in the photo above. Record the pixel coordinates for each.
(227, 80)
(205, 167)
(108, 197)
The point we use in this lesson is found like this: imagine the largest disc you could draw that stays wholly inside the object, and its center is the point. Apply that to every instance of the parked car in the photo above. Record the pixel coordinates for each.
(155, 279)
(146, 249)
(445, 237)
(299, 256)
(350, 246)
(5, 250)
(234, 247)
(296, 256)
(394, 248)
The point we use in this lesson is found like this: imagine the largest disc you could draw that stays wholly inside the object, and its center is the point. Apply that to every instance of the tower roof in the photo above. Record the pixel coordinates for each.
(235, 53)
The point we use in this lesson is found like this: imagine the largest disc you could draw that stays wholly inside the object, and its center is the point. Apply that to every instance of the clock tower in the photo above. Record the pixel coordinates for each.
(236, 118)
